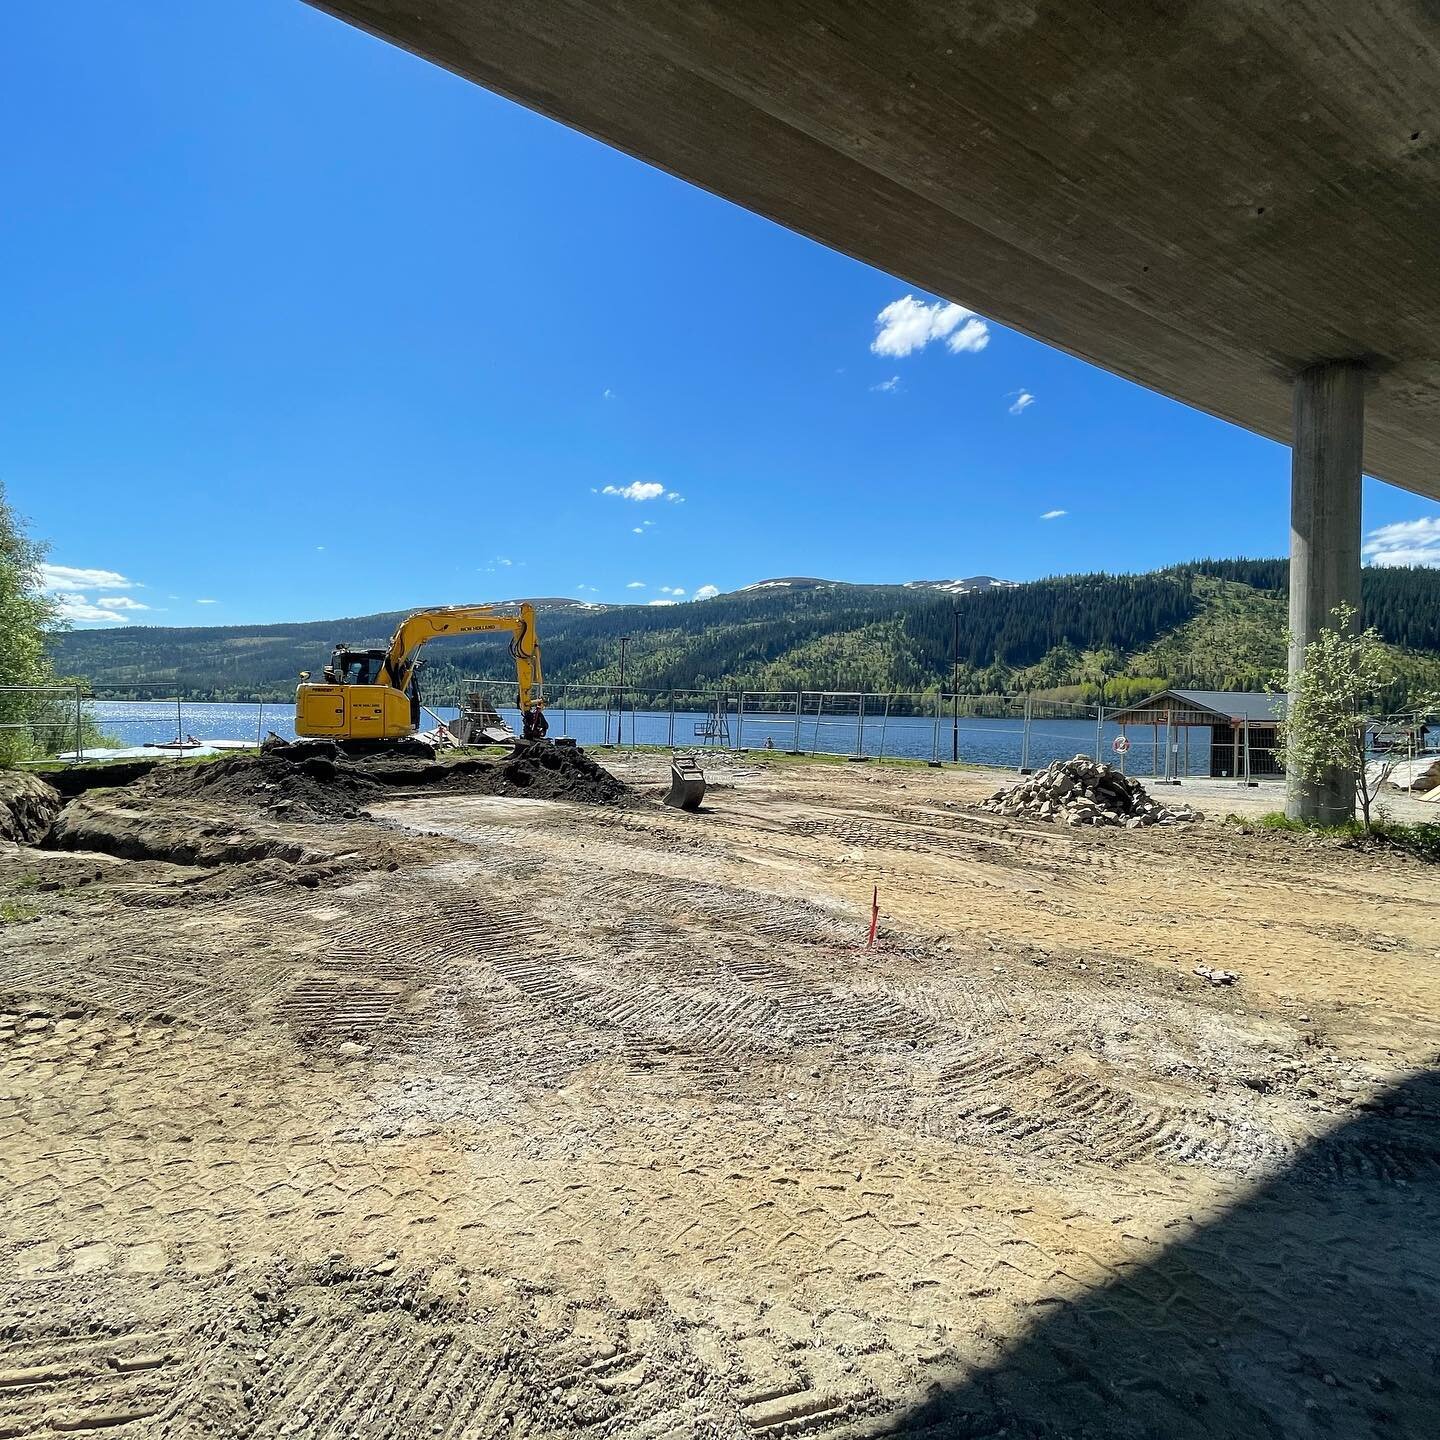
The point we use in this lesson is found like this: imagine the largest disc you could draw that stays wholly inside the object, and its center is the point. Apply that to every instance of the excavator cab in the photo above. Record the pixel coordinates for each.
(355, 667)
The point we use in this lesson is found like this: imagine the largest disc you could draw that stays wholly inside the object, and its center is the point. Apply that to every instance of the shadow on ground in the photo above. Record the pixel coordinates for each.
(1312, 1309)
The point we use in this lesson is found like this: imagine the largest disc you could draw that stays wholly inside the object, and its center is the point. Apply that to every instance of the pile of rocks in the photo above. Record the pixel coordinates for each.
(1086, 792)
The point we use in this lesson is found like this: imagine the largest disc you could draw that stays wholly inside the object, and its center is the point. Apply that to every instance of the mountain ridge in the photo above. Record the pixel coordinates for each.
(1213, 624)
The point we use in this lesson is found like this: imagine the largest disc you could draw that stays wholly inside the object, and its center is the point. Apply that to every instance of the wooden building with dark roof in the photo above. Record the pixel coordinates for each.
(1243, 729)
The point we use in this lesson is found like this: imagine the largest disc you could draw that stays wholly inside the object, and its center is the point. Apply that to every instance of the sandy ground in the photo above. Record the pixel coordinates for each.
(517, 1118)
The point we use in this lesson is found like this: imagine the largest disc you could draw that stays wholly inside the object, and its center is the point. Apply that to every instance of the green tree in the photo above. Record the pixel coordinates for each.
(28, 616)
(1324, 728)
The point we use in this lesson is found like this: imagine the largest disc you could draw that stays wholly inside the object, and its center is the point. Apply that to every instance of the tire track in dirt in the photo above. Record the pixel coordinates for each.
(633, 1157)
(54, 1380)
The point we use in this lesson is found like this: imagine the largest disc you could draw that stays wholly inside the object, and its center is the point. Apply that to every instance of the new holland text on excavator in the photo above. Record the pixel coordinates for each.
(375, 694)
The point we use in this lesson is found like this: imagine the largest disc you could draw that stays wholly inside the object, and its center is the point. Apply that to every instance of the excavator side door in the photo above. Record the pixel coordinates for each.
(320, 710)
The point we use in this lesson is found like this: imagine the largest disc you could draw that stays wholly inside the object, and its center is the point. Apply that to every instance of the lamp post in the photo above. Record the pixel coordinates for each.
(620, 706)
(955, 682)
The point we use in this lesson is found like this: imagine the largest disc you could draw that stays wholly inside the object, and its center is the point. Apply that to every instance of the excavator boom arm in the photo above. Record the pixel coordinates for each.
(425, 625)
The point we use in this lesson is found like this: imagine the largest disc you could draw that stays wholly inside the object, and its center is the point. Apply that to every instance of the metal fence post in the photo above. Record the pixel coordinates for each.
(259, 721)
(1246, 724)
(860, 728)
(819, 710)
(935, 736)
(740, 721)
(884, 725)
(1099, 730)
(670, 741)
(799, 711)
(79, 726)
(1025, 741)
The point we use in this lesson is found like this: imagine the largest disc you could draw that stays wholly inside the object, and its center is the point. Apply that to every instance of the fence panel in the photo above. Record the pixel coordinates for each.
(39, 722)
(1004, 731)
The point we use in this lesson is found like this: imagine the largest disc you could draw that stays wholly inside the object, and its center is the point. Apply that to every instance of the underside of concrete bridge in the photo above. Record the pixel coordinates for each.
(1236, 204)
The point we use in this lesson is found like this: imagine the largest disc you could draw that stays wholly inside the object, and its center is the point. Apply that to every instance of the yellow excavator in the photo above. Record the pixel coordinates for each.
(375, 694)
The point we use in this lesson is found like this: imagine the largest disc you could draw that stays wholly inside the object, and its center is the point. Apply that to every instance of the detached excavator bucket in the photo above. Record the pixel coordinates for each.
(687, 783)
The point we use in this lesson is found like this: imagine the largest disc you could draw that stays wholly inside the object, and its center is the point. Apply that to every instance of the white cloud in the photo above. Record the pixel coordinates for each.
(662, 602)
(888, 387)
(971, 338)
(120, 602)
(638, 530)
(1407, 542)
(707, 592)
(671, 590)
(607, 393)
(636, 585)
(75, 577)
(636, 490)
(502, 560)
(75, 607)
(593, 589)
(1022, 402)
(907, 325)
(1053, 514)
(207, 602)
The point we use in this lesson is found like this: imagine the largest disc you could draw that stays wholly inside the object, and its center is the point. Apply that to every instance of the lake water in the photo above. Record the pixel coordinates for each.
(982, 740)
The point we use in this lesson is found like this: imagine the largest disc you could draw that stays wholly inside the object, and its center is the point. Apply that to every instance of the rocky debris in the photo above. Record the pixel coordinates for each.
(28, 806)
(1216, 977)
(1082, 791)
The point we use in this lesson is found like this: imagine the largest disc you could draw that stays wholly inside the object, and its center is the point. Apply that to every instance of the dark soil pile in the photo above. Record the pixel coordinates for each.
(314, 781)
(312, 787)
(77, 779)
(538, 769)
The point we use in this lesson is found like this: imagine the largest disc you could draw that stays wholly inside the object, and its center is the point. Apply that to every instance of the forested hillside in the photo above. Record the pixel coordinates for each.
(1213, 623)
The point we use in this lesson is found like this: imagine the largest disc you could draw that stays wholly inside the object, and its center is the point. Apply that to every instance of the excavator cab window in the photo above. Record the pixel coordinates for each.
(357, 667)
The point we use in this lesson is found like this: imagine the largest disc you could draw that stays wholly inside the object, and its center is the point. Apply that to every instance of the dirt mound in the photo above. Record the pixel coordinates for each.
(28, 806)
(313, 787)
(1085, 792)
(314, 781)
(113, 823)
(76, 779)
(538, 769)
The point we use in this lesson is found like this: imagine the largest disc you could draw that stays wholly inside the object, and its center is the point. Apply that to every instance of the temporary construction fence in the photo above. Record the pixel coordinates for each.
(1006, 731)
(38, 721)
(159, 716)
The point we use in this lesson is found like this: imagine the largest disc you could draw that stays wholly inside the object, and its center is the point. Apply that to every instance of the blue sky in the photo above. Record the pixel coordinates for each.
(297, 326)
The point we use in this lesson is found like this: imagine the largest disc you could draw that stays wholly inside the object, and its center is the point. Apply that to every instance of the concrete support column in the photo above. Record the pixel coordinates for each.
(1326, 461)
